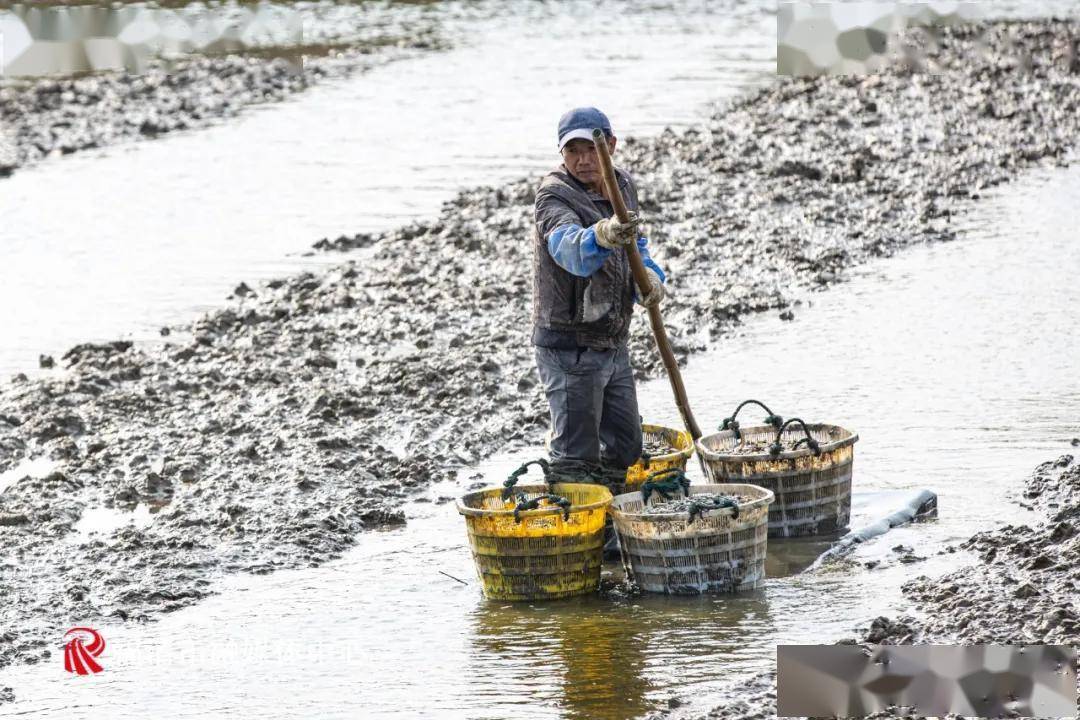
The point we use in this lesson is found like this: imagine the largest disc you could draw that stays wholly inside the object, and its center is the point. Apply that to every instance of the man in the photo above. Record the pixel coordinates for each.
(583, 295)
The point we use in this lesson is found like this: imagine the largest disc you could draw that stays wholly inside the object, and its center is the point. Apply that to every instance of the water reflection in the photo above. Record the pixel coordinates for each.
(594, 658)
(790, 556)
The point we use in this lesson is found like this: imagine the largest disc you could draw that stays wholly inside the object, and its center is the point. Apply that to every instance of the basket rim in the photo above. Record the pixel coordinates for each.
(651, 427)
(708, 454)
(539, 512)
(766, 499)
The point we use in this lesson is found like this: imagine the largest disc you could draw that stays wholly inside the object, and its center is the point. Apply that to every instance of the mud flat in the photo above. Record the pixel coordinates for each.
(1025, 587)
(270, 432)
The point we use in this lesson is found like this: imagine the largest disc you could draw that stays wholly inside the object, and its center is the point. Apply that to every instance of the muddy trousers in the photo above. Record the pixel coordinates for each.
(595, 423)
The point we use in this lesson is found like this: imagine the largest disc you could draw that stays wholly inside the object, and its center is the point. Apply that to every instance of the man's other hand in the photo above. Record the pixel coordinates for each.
(656, 290)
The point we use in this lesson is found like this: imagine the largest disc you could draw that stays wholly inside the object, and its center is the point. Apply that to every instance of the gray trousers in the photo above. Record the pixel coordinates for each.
(594, 412)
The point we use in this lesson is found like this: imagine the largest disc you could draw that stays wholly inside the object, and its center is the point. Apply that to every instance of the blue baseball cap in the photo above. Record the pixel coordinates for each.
(580, 122)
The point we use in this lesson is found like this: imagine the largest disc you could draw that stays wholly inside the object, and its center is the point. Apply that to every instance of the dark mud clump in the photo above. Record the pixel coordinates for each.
(269, 433)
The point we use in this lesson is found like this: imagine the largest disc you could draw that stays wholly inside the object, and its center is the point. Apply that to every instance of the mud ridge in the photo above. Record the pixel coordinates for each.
(272, 431)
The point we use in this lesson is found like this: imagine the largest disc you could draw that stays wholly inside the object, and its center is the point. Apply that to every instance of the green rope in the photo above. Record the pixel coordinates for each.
(697, 507)
(675, 481)
(534, 504)
(730, 423)
(776, 448)
(587, 473)
(508, 484)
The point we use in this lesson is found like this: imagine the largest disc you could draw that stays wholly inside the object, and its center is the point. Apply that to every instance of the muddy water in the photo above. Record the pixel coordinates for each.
(119, 241)
(955, 363)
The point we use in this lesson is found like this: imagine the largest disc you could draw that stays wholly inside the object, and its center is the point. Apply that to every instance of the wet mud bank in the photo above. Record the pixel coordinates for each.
(271, 432)
(1022, 590)
(41, 118)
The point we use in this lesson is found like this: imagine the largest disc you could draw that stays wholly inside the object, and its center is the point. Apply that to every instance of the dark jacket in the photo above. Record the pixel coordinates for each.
(569, 310)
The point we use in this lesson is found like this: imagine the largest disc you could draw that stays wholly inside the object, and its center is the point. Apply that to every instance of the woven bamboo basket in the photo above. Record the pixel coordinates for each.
(812, 484)
(714, 552)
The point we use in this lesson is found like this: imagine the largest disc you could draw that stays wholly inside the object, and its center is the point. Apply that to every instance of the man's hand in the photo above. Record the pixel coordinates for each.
(656, 290)
(611, 234)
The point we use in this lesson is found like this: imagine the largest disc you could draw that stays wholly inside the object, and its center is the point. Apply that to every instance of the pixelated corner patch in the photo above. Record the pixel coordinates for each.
(930, 680)
(862, 37)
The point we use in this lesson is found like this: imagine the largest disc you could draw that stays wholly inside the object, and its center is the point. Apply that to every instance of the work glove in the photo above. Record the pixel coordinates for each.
(611, 234)
(656, 290)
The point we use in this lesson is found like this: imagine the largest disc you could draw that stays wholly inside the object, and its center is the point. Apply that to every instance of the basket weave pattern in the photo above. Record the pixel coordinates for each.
(713, 553)
(813, 491)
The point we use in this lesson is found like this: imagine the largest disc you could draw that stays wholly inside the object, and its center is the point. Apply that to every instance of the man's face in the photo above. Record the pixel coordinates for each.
(581, 160)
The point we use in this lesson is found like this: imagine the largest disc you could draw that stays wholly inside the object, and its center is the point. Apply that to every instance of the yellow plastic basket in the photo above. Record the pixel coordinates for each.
(639, 472)
(543, 554)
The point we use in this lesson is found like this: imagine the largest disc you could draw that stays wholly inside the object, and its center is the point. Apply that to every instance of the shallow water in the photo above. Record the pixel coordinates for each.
(955, 364)
(119, 241)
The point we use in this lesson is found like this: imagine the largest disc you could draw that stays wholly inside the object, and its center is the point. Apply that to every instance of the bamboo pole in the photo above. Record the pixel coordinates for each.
(637, 267)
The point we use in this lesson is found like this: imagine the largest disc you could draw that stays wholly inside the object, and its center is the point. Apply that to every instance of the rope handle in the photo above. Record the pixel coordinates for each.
(676, 481)
(776, 448)
(699, 506)
(508, 484)
(534, 504)
(730, 423)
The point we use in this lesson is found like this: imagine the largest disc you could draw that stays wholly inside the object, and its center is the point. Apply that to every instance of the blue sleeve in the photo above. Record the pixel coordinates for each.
(643, 248)
(646, 258)
(574, 248)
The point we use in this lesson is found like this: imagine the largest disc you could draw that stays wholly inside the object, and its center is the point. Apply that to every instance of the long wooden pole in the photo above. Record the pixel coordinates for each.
(637, 267)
